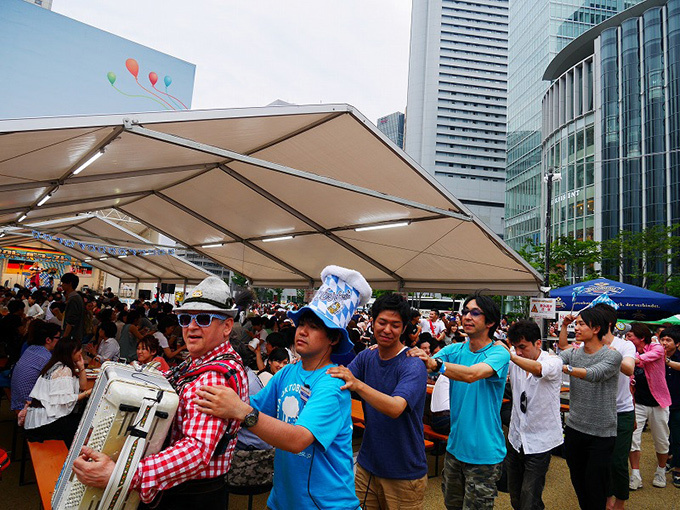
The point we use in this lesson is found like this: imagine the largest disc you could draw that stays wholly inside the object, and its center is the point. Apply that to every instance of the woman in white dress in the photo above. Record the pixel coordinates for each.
(61, 385)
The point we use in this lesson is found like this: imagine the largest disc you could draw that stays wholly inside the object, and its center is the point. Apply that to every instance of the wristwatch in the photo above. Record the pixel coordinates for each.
(440, 364)
(570, 369)
(251, 418)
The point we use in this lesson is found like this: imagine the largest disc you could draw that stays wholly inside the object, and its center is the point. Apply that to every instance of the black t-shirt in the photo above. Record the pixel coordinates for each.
(10, 337)
(642, 394)
(410, 329)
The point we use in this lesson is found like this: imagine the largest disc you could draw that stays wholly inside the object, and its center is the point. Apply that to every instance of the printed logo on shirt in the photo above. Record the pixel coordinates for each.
(288, 404)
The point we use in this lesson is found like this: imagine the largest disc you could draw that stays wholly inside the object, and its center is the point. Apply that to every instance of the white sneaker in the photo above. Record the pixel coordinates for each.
(659, 480)
(635, 482)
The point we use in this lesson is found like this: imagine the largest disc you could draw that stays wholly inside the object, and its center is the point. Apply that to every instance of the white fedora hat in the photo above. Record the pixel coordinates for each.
(211, 295)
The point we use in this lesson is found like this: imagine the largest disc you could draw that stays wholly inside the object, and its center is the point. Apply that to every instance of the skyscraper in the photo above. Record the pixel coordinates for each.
(537, 31)
(456, 106)
(45, 4)
(393, 127)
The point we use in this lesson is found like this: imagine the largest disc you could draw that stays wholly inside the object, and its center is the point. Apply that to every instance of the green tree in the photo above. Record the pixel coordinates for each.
(239, 280)
(569, 258)
(648, 258)
(573, 258)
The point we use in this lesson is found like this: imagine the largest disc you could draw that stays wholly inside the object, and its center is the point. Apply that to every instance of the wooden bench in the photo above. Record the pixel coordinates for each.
(48, 458)
(438, 439)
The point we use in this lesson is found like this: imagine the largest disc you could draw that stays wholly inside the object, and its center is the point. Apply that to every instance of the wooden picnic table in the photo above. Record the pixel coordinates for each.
(357, 411)
(48, 459)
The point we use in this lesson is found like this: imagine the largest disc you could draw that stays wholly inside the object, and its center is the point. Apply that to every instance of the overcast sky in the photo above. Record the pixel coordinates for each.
(252, 53)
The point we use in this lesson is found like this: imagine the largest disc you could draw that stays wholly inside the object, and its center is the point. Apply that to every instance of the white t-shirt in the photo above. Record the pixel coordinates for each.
(108, 349)
(35, 311)
(624, 399)
(434, 328)
(265, 377)
(162, 341)
(539, 428)
(440, 395)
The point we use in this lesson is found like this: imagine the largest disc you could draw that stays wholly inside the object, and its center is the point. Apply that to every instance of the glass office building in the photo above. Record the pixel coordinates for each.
(611, 125)
(393, 127)
(537, 31)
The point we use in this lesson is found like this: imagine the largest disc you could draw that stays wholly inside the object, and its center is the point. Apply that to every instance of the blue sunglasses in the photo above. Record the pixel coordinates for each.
(202, 319)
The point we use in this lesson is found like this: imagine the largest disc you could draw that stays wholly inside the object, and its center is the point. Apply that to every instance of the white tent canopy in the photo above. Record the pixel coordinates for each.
(90, 228)
(233, 180)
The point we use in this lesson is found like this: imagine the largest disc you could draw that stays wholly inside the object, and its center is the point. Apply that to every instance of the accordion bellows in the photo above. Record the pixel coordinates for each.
(127, 417)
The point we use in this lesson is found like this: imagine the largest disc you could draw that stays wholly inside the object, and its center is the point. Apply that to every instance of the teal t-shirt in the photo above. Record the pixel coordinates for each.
(476, 435)
(321, 475)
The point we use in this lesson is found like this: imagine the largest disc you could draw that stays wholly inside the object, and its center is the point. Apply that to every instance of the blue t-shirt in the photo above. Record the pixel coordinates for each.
(322, 474)
(476, 435)
(393, 448)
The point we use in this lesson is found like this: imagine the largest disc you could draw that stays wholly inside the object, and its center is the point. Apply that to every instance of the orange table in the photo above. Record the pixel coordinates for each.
(48, 458)
(357, 411)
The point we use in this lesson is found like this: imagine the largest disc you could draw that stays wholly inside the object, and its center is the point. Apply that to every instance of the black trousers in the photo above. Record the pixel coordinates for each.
(589, 460)
(206, 494)
(526, 478)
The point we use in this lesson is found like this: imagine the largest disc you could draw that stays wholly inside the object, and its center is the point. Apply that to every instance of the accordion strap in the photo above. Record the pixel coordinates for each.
(132, 452)
(221, 365)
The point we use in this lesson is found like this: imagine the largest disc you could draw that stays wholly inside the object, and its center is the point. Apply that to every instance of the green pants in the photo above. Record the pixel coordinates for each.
(618, 480)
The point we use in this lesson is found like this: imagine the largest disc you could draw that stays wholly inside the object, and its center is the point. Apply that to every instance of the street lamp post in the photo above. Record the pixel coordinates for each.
(549, 178)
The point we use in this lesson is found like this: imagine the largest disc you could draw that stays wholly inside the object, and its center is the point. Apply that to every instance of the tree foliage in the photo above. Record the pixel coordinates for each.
(648, 259)
(239, 280)
(568, 257)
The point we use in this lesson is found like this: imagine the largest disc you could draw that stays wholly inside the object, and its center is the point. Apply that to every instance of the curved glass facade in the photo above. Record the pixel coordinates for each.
(627, 177)
(569, 117)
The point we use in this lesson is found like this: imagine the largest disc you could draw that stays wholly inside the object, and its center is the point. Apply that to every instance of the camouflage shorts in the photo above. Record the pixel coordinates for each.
(469, 486)
(251, 467)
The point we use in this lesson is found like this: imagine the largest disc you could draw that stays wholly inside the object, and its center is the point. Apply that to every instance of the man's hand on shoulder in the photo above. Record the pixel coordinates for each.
(222, 402)
(344, 373)
(416, 352)
(93, 468)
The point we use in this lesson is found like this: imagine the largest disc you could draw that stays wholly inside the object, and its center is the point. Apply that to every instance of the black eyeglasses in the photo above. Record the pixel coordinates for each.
(523, 402)
(202, 319)
(475, 312)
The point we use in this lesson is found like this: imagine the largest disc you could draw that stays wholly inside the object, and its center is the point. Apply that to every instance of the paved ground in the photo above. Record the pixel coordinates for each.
(558, 493)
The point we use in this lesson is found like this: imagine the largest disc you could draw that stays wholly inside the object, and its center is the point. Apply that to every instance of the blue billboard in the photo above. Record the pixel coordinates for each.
(53, 65)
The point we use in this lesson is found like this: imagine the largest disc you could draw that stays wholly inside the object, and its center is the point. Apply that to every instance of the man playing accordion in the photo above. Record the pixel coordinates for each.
(190, 471)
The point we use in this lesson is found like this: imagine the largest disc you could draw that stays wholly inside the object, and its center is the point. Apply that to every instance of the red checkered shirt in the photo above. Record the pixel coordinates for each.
(194, 435)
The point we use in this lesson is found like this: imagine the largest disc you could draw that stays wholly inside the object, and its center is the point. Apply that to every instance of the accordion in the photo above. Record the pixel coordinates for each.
(127, 417)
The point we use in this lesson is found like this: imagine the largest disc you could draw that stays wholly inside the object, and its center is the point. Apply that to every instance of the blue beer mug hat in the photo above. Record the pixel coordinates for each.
(342, 291)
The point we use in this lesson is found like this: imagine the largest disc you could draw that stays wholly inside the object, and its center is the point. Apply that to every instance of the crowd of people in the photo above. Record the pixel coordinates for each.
(266, 389)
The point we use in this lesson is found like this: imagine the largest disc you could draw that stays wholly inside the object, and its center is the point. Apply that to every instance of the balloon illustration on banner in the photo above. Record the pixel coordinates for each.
(132, 66)
(172, 103)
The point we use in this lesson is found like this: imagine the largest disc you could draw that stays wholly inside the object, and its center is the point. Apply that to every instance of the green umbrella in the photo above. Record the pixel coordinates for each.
(675, 320)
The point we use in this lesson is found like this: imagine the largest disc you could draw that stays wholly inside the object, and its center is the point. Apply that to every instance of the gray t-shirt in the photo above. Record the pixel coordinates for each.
(592, 401)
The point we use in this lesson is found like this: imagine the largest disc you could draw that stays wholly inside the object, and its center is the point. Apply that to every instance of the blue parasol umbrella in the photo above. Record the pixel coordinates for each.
(634, 302)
